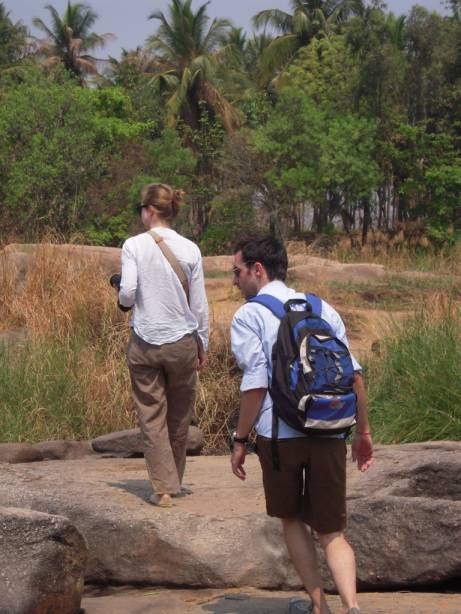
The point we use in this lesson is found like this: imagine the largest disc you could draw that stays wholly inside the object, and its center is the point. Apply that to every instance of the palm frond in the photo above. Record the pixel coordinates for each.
(213, 97)
(41, 25)
(218, 28)
(302, 24)
(275, 18)
(276, 55)
(88, 66)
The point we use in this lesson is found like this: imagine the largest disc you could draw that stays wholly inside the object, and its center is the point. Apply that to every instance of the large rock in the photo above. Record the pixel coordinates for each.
(217, 264)
(404, 520)
(19, 453)
(62, 449)
(310, 269)
(42, 562)
(128, 443)
(20, 256)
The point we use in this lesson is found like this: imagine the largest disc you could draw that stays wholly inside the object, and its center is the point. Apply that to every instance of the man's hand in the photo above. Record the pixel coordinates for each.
(202, 358)
(237, 460)
(362, 451)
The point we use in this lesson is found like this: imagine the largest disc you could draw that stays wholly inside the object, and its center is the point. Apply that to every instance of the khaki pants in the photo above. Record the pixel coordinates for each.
(163, 379)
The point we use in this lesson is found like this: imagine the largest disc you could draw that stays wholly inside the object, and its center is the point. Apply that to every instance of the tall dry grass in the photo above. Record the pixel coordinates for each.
(395, 255)
(68, 378)
(72, 359)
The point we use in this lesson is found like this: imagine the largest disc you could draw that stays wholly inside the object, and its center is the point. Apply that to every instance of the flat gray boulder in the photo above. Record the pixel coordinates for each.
(310, 269)
(19, 453)
(128, 443)
(63, 449)
(404, 520)
(42, 562)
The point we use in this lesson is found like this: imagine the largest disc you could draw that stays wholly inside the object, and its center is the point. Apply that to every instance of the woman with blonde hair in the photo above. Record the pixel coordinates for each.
(162, 278)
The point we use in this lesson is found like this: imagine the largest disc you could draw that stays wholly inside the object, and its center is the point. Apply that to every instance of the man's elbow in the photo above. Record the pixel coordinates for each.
(127, 298)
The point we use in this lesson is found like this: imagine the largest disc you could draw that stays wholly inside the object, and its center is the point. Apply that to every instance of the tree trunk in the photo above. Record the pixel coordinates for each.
(366, 220)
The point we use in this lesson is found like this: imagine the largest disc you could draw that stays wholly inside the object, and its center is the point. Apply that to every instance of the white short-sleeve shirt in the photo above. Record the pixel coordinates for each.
(253, 333)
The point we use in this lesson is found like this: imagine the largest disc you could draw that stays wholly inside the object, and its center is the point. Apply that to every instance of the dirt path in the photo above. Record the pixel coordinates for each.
(250, 601)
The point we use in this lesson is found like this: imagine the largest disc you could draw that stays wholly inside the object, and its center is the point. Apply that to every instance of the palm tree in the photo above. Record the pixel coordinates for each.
(69, 39)
(310, 18)
(12, 39)
(189, 54)
(132, 66)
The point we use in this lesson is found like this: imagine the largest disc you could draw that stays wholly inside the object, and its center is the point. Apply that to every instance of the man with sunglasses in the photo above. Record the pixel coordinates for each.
(308, 489)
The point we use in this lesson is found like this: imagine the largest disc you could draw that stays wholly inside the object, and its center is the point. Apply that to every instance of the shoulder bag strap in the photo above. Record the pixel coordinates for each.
(172, 260)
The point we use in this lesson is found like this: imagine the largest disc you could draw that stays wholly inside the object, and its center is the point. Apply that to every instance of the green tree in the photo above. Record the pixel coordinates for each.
(189, 57)
(425, 38)
(427, 179)
(69, 39)
(318, 159)
(310, 18)
(324, 62)
(56, 140)
(12, 39)
(376, 41)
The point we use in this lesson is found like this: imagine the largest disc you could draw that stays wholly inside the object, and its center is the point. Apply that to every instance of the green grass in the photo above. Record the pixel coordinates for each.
(414, 381)
(44, 396)
(39, 393)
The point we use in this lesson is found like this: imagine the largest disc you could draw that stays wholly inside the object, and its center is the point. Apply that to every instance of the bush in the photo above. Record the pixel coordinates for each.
(414, 380)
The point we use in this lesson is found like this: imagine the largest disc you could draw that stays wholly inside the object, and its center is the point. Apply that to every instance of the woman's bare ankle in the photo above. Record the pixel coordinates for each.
(161, 499)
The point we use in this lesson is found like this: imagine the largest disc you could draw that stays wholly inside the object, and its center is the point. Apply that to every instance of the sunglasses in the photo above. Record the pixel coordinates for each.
(237, 270)
(139, 208)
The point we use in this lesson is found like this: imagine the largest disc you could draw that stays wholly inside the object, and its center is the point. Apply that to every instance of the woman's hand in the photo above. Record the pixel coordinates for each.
(202, 358)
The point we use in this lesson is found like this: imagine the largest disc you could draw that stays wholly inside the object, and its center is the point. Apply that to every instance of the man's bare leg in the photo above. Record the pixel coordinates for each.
(341, 561)
(302, 553)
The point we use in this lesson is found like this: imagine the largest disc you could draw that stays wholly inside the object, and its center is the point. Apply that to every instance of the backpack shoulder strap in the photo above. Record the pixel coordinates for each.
(316, 303)
(271, 303)
(166, 251)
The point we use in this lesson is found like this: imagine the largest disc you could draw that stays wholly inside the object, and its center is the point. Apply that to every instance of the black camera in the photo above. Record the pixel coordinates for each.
(115, 280)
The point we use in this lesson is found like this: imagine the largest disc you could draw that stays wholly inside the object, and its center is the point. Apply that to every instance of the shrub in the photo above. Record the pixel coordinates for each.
(414, 379)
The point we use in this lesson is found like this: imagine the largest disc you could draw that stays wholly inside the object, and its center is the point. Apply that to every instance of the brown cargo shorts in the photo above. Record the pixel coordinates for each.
(311, 482)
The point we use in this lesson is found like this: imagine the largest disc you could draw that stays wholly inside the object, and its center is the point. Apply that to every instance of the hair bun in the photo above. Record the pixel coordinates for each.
(177, 201)
(178, 197)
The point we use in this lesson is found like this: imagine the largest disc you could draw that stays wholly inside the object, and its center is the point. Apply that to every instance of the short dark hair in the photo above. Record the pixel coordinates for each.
(267, 250)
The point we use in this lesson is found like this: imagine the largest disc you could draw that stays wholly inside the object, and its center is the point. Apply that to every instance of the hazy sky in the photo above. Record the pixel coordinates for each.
(127, 19)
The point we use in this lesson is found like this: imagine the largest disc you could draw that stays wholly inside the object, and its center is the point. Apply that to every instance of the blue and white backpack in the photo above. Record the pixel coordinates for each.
(312, 370)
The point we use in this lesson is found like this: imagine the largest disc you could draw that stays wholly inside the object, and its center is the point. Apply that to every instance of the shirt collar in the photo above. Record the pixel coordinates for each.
(273, 287)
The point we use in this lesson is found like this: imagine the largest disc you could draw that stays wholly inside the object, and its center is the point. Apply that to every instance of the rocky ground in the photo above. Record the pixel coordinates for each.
(251, 601)
(404, 520)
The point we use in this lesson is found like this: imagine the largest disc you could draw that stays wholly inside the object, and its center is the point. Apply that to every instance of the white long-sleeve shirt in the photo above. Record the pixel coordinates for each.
(161, 313)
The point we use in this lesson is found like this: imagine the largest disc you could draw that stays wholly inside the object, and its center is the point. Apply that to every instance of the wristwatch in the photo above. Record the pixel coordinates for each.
(236, 439)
